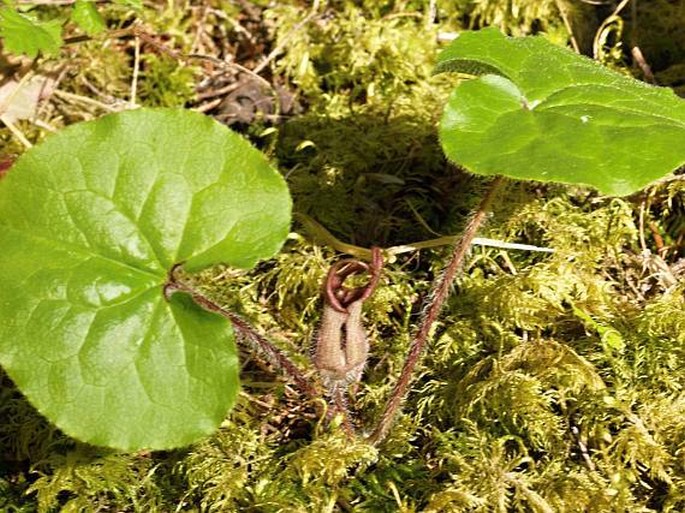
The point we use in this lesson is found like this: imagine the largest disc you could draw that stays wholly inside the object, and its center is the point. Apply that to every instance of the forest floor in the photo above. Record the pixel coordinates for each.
(554, 382)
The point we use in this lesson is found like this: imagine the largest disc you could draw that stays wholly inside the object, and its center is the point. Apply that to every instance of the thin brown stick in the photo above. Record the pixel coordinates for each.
(643, 64)
(15, 131)
(286, 40)
(136, 71)
(229, 65)
(438, 297)
(275, 356)
(567, 24)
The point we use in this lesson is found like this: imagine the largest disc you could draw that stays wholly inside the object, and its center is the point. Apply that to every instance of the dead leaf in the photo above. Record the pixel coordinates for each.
(19, 99)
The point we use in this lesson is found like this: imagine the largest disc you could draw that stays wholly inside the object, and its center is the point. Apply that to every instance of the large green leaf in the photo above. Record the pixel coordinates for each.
(541, 112)
(91, 222)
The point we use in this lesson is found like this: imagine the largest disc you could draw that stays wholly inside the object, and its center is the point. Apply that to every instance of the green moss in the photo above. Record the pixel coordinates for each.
(164, 82)
(353, 53)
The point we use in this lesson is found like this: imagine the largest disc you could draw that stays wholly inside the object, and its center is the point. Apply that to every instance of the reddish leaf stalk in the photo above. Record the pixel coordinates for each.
(438, 296)
(275, 356)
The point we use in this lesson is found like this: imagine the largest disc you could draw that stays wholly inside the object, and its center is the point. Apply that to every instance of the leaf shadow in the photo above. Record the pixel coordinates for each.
(371, 180)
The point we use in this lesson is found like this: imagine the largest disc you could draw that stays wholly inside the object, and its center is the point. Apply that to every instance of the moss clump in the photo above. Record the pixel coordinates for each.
(165, 83)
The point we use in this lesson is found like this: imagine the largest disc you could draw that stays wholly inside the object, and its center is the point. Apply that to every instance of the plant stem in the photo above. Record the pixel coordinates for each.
(274, 355)
(438, 296)
(338, 401)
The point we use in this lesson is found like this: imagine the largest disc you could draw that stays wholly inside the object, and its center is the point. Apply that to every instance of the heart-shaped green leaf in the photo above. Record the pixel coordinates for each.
(91, 222)
(541, 112)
